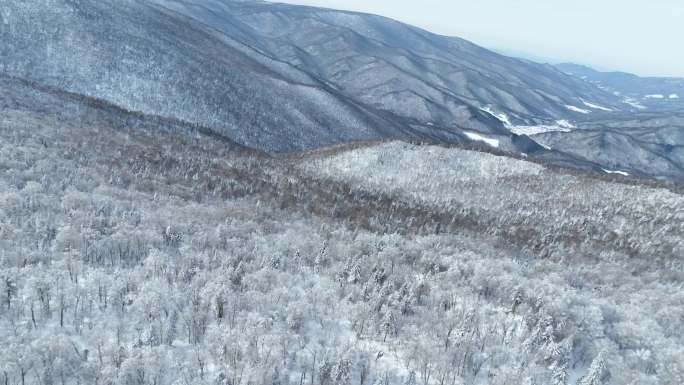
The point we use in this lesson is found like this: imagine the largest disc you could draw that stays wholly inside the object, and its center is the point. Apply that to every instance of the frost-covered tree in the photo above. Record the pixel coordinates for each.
(598, 372)
(139, 254)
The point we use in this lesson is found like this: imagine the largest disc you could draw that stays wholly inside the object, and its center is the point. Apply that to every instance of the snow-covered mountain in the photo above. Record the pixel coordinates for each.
(145, 59)
(639, 93)
(151, 232)
(646, 144)
(394, 66)
(282, 77)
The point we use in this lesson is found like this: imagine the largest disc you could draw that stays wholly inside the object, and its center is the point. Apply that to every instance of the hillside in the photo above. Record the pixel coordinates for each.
(645, 144)
(284, 78)
(142, 59)
(139, 250)
(641, 93)
(399, 68)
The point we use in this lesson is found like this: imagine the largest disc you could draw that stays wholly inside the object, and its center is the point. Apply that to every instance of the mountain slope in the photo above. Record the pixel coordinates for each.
(397, 67)
(283, 78)
(141, 58)
(659, 93)
(647, 144)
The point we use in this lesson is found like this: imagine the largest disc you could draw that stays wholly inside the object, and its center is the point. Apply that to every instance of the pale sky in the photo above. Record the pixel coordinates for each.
(645, 37)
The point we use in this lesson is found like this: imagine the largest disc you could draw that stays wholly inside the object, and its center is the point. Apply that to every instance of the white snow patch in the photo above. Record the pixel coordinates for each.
(634, 103)
(503, 118)
(674, 96)
(565, 124)
(577, 109)
(615, 172)
(480, 138)
(596, 106)
(560, 126)
(654, 96)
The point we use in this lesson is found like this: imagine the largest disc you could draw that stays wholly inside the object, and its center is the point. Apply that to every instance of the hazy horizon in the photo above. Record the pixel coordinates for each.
(640, 37)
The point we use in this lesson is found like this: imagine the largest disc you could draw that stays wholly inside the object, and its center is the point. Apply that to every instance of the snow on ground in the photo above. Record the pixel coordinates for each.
(560, 126)
(674, 96)
(634, 103)
(479, 138)
(615, 172)
(654, 96)
(595, 106)
(501, 116)
(577, 109)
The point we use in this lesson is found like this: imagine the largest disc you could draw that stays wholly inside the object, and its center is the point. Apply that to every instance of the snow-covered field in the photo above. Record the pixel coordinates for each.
(560, 126)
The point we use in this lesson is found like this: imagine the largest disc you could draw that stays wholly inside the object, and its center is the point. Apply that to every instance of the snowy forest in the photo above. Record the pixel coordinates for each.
(132, 255)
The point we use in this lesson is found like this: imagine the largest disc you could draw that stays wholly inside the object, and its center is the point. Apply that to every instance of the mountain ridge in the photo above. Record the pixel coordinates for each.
(251, 91)
(451, 50)
(664, 93)
(284, 78)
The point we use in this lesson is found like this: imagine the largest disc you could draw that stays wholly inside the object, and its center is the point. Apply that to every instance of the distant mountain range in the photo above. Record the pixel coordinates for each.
(647, 140)
(282, 78)
(640, 92)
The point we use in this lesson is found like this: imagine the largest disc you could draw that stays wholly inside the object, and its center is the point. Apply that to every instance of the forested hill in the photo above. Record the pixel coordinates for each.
(135, 255)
